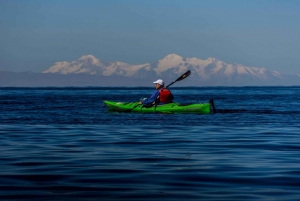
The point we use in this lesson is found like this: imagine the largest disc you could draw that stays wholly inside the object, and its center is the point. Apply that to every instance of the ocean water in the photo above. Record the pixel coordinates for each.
(62, 144)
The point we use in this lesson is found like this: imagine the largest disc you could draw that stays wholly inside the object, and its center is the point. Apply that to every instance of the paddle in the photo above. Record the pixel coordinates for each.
(185, 75)
(182, 77)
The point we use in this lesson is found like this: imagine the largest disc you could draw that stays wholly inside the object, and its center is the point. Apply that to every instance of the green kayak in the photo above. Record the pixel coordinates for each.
(202, 108)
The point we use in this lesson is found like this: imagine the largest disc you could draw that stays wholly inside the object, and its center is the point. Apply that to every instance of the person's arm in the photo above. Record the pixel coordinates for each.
(151, 99)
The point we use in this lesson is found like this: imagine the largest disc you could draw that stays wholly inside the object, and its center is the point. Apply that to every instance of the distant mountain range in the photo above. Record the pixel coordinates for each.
(90, 71)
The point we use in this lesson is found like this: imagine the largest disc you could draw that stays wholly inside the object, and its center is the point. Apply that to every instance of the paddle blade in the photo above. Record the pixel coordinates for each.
(185, 75)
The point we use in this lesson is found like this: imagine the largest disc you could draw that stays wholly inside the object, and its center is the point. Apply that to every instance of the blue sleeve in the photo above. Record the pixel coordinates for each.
(152, 98)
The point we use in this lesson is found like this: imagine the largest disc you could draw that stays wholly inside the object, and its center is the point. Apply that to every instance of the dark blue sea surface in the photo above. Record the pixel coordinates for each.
(62, 144)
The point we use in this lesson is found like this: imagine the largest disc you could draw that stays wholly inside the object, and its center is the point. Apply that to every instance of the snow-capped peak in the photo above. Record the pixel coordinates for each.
(169, 61)
(172, 57)
(212, 59)
(85, 64)
(171, 65)
(91, 59)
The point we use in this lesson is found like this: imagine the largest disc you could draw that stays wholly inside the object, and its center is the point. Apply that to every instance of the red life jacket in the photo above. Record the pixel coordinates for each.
(165, 96)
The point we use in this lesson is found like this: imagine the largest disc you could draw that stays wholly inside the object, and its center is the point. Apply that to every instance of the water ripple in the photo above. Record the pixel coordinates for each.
(127, 163)
(60, 144)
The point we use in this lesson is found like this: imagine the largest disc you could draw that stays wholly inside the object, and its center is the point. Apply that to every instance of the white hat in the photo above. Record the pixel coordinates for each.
(159, 81)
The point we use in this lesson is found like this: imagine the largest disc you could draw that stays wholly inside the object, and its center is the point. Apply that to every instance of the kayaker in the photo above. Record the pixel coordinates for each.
(160, 96)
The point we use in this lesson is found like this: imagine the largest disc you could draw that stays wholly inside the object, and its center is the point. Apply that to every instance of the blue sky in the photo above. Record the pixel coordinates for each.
(34, 34)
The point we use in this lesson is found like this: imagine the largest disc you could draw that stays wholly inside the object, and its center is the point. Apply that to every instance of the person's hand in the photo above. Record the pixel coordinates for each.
(140, 103)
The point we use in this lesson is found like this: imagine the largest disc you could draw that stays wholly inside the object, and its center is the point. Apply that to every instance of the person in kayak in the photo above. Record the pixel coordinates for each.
(160, 96)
